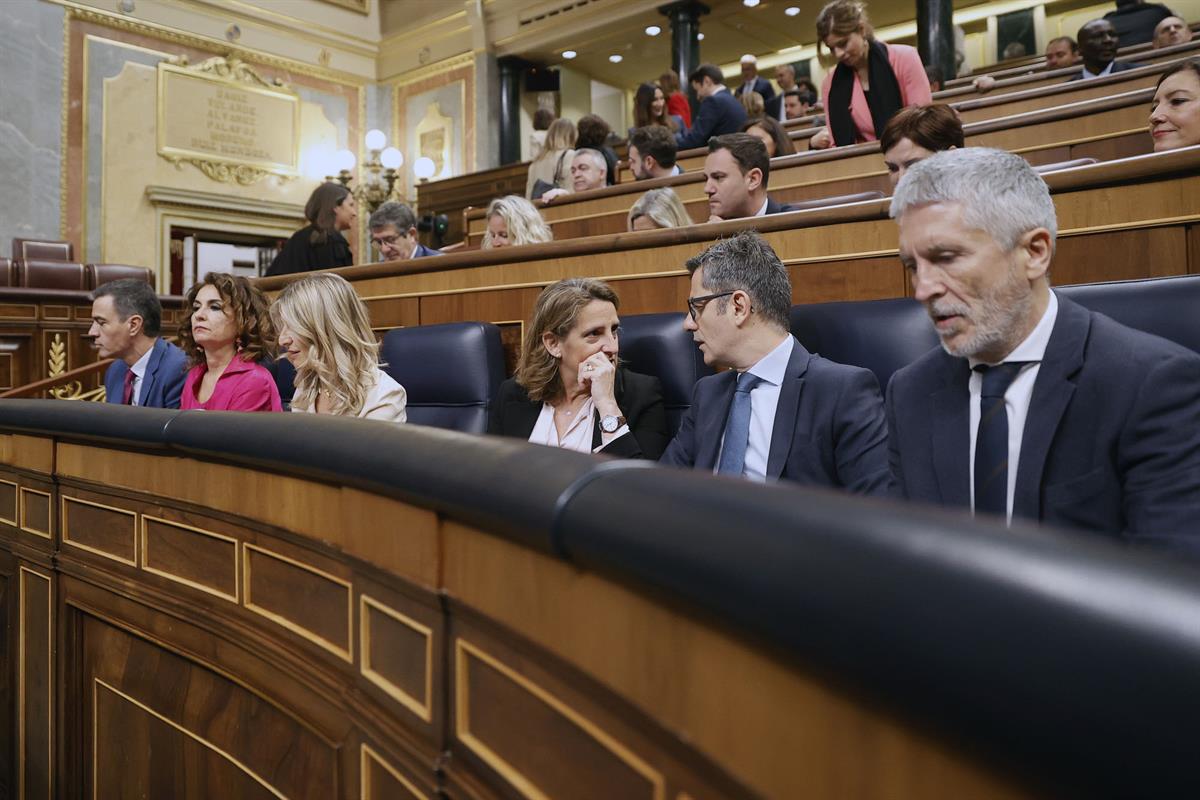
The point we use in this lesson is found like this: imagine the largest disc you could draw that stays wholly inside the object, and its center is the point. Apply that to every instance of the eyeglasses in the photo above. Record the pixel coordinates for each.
(386, 241)
(696, 304)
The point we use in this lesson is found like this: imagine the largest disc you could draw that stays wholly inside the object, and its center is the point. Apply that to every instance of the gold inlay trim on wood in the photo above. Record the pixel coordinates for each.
(97, 683)
(366, 790)
(462, 725)
(16, 501)
(247, 600)
(21, 511)
(24, 573)
(65, 526)
(144, 559)
(421, 707)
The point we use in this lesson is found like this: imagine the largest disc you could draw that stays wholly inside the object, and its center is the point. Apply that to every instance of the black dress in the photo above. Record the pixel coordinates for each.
(301, 255)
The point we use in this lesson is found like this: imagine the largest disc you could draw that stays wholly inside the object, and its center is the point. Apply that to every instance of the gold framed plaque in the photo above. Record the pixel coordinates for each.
(224, 118)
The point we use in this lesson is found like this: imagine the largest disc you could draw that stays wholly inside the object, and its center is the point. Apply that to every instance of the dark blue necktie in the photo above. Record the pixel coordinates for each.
(991, 438)
(737, 427)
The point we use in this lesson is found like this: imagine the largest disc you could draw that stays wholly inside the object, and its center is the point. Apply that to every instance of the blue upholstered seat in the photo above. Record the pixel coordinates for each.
(657, 344)
(451, 372)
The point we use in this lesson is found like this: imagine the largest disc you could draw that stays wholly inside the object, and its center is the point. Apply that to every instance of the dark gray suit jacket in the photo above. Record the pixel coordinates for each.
(829, 428)
(1111, 443)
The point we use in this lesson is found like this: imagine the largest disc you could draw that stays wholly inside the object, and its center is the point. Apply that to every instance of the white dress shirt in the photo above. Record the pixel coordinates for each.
(1106, 71)
(579, 433)
(764, 400)
(762, 212)
(1016, 398)
(139, 371)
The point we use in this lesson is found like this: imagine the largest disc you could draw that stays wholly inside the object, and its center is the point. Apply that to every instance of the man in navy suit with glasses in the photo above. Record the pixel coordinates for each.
(778, 412)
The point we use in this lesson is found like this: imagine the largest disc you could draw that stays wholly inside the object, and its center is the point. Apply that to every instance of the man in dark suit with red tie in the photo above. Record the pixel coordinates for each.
(1034, 407)
(126, 323)
(779, 412)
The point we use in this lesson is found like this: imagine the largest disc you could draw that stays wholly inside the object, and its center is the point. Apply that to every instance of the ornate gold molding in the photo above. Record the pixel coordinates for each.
(212, 45)
(230, 70)
(56, 363)
(437, 68)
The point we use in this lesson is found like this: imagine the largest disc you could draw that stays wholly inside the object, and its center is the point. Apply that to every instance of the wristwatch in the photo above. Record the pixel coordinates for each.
(610, 424)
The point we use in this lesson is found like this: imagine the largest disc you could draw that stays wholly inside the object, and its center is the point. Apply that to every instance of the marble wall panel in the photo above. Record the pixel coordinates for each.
(31, 61)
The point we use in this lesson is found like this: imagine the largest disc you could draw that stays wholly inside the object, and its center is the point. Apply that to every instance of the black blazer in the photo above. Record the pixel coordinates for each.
(762, 86)
(1118, 66)
(301, 255)
(640, 399)
(1111, 443)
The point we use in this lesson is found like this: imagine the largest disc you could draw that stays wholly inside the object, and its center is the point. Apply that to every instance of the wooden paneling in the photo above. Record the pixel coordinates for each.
(696, 679)
(306, 600)
(34, 511)
(166, 726)
(395, 312)
(100, 528)
(192, 556)
(35, 688)
(1114, 256)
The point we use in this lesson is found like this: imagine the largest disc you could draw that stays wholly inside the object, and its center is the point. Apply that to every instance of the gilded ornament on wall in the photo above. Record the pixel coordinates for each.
(227, 120)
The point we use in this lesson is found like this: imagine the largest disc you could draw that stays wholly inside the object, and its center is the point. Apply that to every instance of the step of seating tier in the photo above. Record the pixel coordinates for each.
(1131, 218)
(453, 195)
(1105, 128)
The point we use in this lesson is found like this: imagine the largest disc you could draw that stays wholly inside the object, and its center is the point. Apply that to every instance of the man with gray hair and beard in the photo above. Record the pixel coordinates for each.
(779, 412)
(1034, 407)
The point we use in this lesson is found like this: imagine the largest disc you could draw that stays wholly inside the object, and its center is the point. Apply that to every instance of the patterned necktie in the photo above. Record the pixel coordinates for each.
(991, 438)
(737, 427)
(127, 395)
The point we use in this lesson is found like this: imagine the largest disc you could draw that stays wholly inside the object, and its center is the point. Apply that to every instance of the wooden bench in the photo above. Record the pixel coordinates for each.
(1132, 218)
(1108, 128)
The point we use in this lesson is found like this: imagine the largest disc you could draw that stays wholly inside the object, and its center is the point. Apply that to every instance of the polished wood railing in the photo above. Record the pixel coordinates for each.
(204, 605)
(66, 385)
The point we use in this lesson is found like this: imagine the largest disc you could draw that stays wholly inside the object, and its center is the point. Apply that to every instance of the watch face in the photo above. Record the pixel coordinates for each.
(609, 424)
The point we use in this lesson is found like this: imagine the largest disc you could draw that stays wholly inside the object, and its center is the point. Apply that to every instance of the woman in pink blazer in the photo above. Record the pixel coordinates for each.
(228, 333)
(871, 82)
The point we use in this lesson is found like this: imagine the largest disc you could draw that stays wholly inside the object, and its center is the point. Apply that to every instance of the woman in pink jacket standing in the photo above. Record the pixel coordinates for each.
(871, 82)
(228, 333)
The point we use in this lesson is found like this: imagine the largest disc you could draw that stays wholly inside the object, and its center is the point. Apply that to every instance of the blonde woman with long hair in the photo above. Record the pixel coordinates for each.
(325, 332)
(512, 221)
(551, 166)
(658, 208)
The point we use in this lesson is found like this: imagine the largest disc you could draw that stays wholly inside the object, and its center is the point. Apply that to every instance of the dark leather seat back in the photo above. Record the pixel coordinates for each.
(8, 272)
(40, 274)
(1166, 307)
(451, 372)
(657, 344)
(285, 377)
(42, 250)
(99, 274)
(880, 335)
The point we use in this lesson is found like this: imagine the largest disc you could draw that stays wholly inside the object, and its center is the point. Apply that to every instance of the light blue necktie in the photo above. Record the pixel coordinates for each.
(737, 427)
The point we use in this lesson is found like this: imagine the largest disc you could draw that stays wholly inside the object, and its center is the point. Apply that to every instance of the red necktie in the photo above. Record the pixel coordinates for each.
(127, 396)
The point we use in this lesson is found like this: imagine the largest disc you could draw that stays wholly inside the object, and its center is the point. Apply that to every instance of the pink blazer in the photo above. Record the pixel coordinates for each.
(243, 386)
(910, 74)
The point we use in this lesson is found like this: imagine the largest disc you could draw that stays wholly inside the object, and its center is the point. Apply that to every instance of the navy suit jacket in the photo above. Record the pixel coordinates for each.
(762, 86)
(162, 383)
(719, 114)
(1118, 66)
(829, 430)
(422, 251)
(1111, 442)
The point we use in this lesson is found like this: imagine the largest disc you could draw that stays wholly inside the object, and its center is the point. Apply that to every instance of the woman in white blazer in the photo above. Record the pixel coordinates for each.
(325, 332)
